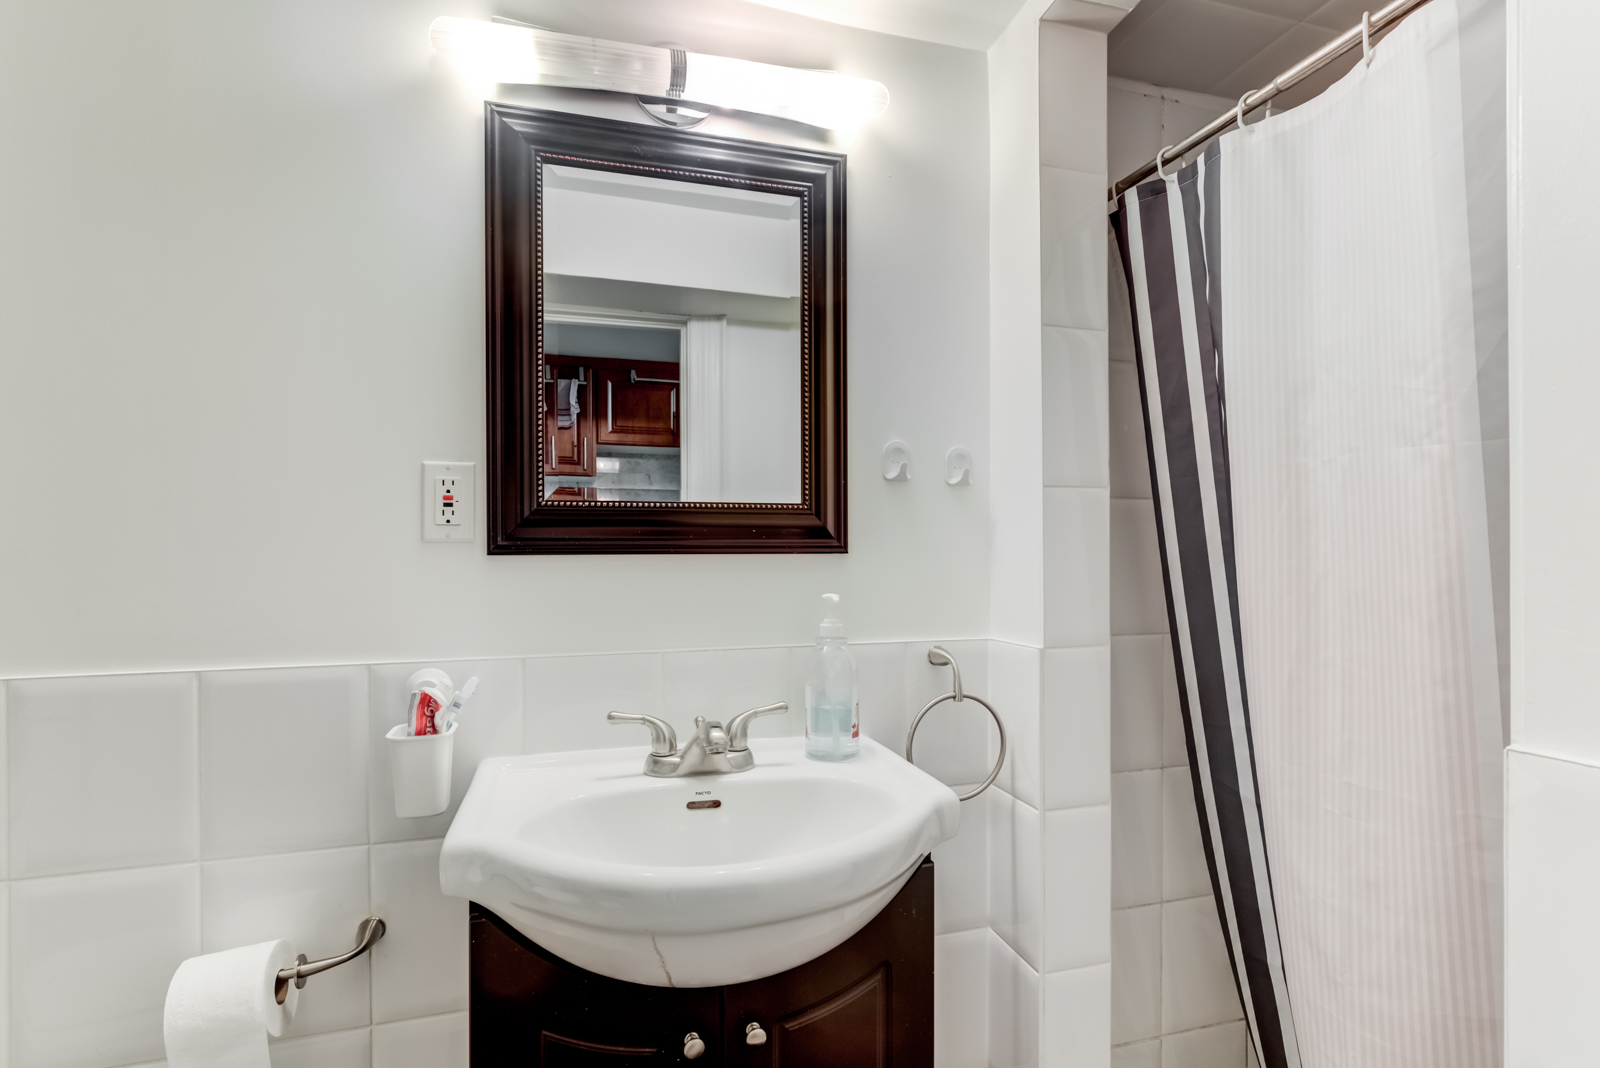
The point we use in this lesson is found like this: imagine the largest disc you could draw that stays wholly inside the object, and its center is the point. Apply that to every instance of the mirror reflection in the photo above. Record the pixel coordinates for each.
(671, 340)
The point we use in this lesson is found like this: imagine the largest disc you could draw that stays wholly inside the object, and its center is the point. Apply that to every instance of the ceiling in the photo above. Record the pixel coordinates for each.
(962, 23)
(1227, 47)
(1218, 47)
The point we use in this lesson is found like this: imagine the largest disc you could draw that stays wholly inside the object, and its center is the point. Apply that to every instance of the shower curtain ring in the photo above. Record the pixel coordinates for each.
(1239, 115)
(1366, 38)
(1161, 173)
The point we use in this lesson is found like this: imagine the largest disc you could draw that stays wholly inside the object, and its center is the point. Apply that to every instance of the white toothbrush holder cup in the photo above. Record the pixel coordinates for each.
(421, 768)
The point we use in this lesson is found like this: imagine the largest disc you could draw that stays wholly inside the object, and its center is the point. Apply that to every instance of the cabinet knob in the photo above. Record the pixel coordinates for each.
(692, 1046)
(754, 1036)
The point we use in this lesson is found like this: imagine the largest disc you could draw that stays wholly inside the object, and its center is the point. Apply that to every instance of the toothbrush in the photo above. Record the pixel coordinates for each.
(459, 701)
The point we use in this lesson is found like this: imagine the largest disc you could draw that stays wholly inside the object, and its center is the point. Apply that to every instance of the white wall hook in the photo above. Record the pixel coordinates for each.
(958, 467)
(897, 461)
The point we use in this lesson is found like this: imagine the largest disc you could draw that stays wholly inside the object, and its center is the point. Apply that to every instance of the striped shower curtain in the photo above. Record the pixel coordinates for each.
(1311, 336)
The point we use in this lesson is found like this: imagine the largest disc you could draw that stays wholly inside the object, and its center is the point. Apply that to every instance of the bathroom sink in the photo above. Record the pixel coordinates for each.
(695, 881)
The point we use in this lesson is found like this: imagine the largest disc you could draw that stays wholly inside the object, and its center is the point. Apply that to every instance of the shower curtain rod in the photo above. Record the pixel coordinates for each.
(1256, 98)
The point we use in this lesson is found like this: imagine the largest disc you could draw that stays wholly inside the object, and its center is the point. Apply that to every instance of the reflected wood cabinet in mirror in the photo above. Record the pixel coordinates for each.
(666, 340)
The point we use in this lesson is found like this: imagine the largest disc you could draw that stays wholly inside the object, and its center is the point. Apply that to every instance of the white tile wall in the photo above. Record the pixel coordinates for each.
(430, 1042)
(420, 967)
(1016, 877)
(5, 817)
(1137, 691)
(1015, 688)
(1073, 227)
(1075, 729)
(1014, 1008)
(283, 760)
(1135, 974)
(1075, 433)
(313, 899)
(1222, 1046)
(961, 871)
(567, 698)
(721, 683)
(961, 999)
(881, 693)
(1196, 981)
(86, 956)
(5, 973)
(1077, 885)
(1069, 964)
(1130, 468)
(1174, 1004)
(1075, 577)
(1138, 603)
(341, 1049)
(1183, 860)
(1072, 135)
(102, 773)
(1077, 1017)
(490, 725)
(1137, 1054)
(91, 957)
(1136, 851)
(954, 744)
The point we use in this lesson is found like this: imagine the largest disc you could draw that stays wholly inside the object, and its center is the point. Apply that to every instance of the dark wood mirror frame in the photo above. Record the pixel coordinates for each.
(518, 141)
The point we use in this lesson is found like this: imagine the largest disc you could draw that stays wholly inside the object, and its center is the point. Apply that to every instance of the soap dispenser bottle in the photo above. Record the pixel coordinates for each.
(833, 720)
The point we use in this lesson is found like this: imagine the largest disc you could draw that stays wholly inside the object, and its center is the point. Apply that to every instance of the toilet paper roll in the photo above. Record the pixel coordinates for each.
(222, 1006)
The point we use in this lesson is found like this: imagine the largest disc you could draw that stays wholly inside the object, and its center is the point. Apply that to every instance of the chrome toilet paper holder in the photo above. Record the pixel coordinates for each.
(367, 932)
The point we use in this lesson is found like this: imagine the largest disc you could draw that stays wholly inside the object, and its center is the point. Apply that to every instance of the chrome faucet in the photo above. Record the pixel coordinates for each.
(712, 751)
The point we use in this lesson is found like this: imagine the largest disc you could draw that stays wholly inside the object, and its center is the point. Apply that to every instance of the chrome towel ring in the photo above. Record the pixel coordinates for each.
(940, 657)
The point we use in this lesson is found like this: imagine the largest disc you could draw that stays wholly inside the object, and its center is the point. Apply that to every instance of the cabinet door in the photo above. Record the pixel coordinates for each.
(569, 450)
(866, 1004)
(639, 404)
(530, 1009)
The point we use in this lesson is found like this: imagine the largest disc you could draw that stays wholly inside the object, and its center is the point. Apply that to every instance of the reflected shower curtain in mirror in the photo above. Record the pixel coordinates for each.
(1315, 317)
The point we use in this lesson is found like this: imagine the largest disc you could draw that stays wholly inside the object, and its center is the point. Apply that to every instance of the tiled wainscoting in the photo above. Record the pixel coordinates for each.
(156, 816)
(1174, 1003)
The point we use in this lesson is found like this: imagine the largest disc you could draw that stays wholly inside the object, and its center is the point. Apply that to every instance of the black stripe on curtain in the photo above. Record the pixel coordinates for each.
(1168, 231)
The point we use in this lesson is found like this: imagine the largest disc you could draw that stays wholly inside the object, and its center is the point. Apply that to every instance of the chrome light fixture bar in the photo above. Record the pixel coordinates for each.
(501, 52)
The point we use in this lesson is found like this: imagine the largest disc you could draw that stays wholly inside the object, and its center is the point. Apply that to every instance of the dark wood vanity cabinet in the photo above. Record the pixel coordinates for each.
(866, 1004)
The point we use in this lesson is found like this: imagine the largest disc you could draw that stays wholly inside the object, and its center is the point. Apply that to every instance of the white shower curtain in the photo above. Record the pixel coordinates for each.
(1315, 310)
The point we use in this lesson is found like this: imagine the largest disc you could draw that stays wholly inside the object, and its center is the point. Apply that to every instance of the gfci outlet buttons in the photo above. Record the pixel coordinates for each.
(447, 501)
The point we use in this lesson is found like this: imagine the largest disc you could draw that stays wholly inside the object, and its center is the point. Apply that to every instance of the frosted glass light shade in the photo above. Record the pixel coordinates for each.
(522, 54)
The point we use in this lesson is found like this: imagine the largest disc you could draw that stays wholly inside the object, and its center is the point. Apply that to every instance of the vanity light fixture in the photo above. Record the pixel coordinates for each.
(502, 52)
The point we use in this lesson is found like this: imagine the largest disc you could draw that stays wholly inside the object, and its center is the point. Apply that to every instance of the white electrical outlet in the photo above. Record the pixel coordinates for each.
(447, 500)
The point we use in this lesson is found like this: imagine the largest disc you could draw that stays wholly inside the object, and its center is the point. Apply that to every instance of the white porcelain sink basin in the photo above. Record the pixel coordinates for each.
(615, 871)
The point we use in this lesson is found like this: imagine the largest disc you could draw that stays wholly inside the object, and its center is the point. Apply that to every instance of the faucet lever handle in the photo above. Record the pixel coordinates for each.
(739, 726)
(663, 739)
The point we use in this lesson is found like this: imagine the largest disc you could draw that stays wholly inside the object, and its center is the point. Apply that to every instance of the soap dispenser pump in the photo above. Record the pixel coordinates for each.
(833, 715)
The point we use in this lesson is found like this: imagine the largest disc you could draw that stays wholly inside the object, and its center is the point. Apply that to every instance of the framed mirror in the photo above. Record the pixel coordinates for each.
(666, 340)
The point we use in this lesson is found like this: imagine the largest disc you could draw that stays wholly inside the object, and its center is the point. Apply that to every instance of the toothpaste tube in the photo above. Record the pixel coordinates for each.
(422, 713)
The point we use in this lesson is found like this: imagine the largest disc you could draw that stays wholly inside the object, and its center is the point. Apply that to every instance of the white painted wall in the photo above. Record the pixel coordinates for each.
(246, 302)
(259, 276)
(1553, 767)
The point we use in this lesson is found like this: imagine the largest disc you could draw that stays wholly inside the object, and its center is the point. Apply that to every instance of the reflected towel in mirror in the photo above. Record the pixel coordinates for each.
(566, 402)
